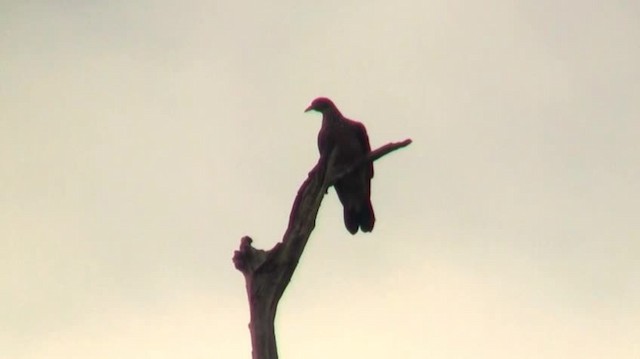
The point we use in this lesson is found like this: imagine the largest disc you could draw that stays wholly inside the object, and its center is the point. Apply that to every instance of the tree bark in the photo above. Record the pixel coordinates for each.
(267, 273)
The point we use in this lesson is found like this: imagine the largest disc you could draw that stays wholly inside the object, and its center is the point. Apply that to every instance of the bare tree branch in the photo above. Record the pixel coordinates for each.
(267, 273)
(372, 156)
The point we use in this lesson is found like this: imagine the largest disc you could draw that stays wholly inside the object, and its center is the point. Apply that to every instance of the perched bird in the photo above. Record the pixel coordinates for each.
(349, 138)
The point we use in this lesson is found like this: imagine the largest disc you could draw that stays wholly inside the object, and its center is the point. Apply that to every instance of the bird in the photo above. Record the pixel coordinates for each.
(350, 141)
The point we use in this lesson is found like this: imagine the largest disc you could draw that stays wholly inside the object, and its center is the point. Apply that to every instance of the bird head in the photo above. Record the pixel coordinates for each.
(321, 104)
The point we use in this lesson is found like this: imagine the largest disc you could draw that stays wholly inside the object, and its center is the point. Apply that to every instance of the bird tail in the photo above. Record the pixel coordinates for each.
(359, 217)
(367, 217)
(351, 220)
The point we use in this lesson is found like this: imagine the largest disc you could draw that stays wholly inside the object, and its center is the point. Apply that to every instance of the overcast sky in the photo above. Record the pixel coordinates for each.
(140, 140)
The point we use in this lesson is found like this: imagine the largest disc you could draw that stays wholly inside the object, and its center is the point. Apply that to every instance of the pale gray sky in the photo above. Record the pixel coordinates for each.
(140, 140)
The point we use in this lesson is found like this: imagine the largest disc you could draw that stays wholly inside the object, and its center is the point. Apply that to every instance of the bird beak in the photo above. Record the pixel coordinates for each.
(309, 108)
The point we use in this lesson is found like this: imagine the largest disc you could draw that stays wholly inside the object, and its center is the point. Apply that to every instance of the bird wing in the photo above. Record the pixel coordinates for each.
(363, 139)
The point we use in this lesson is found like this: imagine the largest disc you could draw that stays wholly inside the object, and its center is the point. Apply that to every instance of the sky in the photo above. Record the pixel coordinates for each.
(141, 140)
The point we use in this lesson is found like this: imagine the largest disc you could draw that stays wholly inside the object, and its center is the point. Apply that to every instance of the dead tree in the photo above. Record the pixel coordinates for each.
(267, 273)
